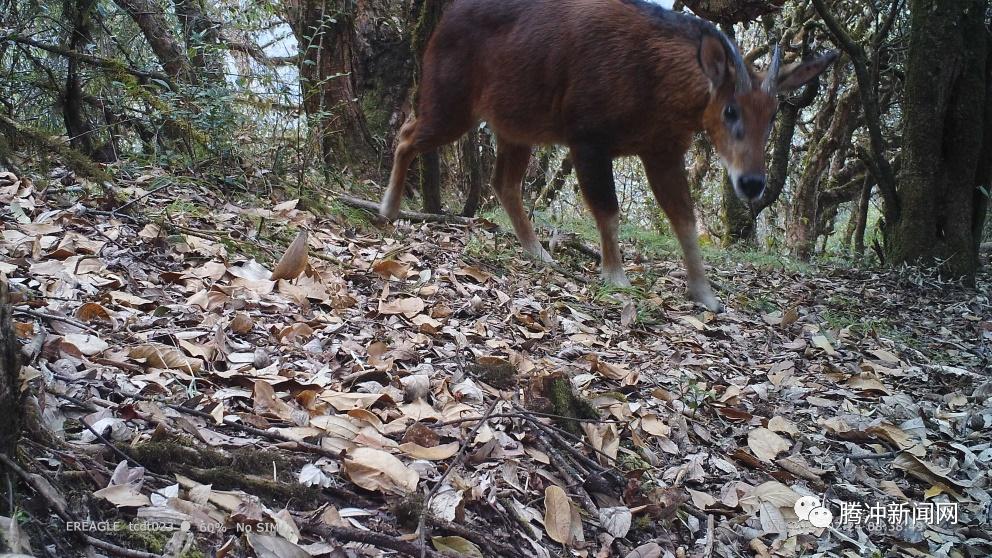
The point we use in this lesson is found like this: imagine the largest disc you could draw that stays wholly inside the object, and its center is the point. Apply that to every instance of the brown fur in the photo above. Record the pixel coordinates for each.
(605, 77)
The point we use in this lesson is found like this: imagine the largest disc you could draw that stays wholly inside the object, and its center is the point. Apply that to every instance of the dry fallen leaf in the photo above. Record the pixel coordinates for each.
(86, 344)
(558, 515)
(822, 342)
(391, 268)
(435, 453)
(294, 261)
(380, 471)
(409, 307)
(158, 355)
(457, 545)
(765, 444)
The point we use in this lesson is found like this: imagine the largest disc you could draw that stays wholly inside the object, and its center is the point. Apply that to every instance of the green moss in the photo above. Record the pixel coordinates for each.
(566, 403)
(497, 252)
(245, 469)
(148, 539)
(278, 492)
(408, 511)
(501, 375)
(756, 302)
(628, 461)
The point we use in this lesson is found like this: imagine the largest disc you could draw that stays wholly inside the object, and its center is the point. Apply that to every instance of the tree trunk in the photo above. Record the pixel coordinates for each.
(544, 160)
(384, 70)
(861, 224)
(157, 31)
(785, 130)
(557, 182)
(739, 224)
(802, 220)
(878, 163)
(943, 132)
(427, 15)
(10, 378)
(430, 182)
(76, 124)
(324, 30)
(202, 40)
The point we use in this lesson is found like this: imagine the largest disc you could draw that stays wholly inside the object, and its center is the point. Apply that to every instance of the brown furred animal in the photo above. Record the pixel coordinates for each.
(607, 78)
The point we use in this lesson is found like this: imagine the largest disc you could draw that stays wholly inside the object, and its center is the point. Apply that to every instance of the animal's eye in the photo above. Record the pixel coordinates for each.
(730, 113)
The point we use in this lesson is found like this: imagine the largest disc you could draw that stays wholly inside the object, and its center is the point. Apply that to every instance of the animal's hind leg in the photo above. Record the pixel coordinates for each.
(511, 165)
(594, 169)
(422, 134)
(389, 208)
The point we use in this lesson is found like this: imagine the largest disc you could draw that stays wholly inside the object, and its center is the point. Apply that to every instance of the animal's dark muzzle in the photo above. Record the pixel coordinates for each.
(751, 186)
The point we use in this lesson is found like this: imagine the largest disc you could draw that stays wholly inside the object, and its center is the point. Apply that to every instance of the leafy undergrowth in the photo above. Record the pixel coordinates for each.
(185, 400)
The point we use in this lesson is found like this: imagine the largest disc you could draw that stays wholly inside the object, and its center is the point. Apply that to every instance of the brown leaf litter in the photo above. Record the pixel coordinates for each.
(188, 397)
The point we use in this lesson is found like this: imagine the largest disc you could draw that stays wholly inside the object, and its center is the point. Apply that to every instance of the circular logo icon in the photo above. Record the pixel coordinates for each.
(820, 517)
(805, 505)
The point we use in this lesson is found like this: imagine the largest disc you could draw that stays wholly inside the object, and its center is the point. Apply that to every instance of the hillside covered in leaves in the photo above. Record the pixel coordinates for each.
(208, 374)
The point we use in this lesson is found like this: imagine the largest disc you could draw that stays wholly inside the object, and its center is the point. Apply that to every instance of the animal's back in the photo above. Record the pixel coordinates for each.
(553, 71)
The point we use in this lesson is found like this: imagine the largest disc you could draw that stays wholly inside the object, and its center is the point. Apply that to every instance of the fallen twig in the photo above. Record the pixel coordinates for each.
(66, 515)
(708, 550)
(572, 476)
(274, 436)
(867, 456)
(422, 527)
(379, 540)
(141, 197)
(486, 541)
(373, 208)
(57, 318)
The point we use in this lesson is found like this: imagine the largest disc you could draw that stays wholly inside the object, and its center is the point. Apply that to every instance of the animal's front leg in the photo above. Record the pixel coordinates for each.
(671, 189)
(594, 169)
(511, 165)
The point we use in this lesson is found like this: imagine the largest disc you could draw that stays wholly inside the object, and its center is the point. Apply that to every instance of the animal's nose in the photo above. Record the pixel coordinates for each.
(752, 185)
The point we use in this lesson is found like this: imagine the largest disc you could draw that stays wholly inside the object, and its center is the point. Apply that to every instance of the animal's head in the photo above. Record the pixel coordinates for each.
(742, 107)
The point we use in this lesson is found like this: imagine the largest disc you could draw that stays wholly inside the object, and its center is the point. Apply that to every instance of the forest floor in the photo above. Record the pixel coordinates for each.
(211, 377)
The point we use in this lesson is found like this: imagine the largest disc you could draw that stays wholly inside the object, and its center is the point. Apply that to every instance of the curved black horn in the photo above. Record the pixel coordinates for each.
(771, 78)
(740, 68)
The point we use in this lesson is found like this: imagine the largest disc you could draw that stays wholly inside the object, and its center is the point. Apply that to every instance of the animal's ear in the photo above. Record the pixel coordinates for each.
(713, 59)
(794, 76)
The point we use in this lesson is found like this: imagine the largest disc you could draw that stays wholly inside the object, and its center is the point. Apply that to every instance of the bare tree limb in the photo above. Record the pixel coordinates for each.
(729, 12)
(89, 58)
(869, 99)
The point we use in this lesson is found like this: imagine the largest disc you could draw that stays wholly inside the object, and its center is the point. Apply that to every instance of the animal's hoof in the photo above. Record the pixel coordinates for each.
(711, 303)
(616, 278)
(388, 214)
(540, 254)
(707, 300)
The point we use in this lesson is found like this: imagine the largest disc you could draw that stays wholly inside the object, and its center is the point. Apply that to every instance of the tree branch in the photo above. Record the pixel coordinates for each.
(869, 100)
(90, 59)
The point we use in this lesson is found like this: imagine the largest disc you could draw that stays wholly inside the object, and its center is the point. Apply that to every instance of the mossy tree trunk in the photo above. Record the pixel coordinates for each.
(739, 223)
(427, 14)
(384, 70)
(803, 217)
(946, 106)
(155, 27)
(202, 40)
(860, 219)
(325, 31)
(77, 125)
(10, 371)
